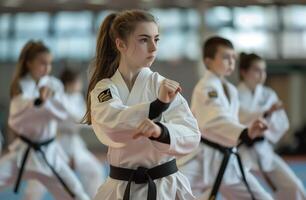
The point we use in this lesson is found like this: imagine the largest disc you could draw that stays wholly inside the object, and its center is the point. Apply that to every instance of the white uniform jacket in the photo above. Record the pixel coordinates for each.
(69, 129)
(217, 116)
(115, 120)
(38, 123)
(253, 106)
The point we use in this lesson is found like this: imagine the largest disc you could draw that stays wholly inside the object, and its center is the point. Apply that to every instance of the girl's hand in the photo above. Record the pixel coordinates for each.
(168, 90)
(147, 129)
(257, 128)
(45, 93)
(276, 106)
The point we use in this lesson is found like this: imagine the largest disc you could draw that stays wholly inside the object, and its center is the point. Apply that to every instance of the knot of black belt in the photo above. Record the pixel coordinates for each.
(143, 175)
(227, 151)
(37, 147)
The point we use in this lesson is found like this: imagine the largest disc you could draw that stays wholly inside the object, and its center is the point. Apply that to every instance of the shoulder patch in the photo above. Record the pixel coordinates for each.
(213, 94)
(105, 95)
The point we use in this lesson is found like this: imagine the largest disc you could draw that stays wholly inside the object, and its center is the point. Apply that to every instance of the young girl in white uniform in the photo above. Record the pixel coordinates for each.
(138, 114)
(34, 113)
(217, 165)
(83, 161)
(257, 100)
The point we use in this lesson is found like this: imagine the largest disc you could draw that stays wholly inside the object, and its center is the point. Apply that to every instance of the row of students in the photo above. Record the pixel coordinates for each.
(215, 104)
(145, 122)
(226, 126)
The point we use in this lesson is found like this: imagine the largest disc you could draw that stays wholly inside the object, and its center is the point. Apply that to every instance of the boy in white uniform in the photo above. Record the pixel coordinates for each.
(257, 100)
(215, 105)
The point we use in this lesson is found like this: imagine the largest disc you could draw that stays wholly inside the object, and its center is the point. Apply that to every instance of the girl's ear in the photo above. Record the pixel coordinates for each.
(120, 44)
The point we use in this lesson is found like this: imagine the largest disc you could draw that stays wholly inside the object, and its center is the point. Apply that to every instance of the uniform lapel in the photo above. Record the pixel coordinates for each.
(139, 86)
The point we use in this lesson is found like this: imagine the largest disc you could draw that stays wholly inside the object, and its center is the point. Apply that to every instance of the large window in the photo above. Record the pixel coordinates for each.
(270, 31)
(31, 25)
(179, 37)
(294, 17)
(218, 17)
(4, 25)
(73, 23)
(260, 42)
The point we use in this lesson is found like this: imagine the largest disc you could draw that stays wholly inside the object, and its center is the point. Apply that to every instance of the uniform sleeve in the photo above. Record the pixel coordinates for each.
(114, 123)
(22, 108)
(182, 128)
(216, 122)
(278, 122)
(76, 107)
(246, 116)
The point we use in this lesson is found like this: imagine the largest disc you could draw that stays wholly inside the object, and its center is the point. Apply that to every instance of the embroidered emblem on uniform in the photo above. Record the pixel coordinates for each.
(213, 94)
(105, 96)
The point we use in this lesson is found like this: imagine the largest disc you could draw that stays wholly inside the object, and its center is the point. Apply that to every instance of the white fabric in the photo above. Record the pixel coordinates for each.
(75, 149)
(217, 116)
(38, 124)
(283, 178)
(115, 121)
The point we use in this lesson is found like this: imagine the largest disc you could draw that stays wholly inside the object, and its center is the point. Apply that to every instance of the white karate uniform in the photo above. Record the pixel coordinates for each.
(75, 148)
(252, 106)
(218, 121)
(38, 124)
(115, 121)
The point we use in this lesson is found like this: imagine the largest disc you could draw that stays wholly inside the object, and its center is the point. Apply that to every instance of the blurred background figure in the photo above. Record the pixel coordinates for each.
(257, 100)
(84, 163)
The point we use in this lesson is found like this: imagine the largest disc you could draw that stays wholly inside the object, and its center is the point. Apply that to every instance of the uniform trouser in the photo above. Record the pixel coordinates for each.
(193, 170)
(9, 171)
(86, 166)
(287, 184)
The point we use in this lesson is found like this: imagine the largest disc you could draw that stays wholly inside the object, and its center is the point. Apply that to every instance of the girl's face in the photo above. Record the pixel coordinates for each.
(141, 46)
(256, 74)
(40, 66)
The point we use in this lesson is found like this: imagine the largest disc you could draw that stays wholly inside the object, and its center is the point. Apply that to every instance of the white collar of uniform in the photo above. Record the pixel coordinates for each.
(137, 87)
(143, 74)
(28, 86)
(27, 81)
(258, 90)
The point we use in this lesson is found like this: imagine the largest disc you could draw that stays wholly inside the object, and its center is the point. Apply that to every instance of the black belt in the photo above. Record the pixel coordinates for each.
(227, 151)
(143, 175)
(259, 163)
(37, 147)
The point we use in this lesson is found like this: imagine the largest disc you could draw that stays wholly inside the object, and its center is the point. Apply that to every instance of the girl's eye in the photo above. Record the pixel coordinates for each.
(156, 40)
(144, 40)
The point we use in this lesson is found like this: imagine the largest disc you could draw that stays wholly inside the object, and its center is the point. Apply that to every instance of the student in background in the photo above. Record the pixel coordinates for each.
(35, 111)
(257, 100)
(215, 104)
(83, 162)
